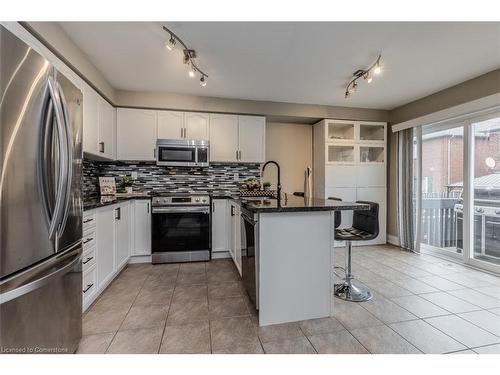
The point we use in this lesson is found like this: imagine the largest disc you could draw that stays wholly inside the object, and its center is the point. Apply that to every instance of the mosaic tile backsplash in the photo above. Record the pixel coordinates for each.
(216, 179)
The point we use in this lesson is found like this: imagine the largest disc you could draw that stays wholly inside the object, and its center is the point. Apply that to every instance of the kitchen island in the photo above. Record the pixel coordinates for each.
(288, 256)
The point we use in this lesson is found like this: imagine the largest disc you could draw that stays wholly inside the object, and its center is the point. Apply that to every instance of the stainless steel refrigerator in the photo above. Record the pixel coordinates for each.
(40, 203)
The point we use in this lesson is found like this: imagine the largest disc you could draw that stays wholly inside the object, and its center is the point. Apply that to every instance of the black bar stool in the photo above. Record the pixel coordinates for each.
(365, 227)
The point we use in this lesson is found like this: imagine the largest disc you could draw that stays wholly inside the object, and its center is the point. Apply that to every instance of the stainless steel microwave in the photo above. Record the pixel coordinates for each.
(182, 153)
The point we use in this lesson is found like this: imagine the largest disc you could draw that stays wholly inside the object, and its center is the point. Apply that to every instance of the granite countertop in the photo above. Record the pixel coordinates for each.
(298, 204)
(96, 202)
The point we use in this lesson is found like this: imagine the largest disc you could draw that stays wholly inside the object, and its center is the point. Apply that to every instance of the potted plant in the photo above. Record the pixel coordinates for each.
(252, 184)
(127, 183)
(266, 185)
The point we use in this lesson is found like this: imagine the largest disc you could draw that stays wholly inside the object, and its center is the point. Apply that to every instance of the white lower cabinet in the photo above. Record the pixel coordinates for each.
(122, 234)
(141, 244)
(89, 286)
(110, 235)
(105, 246)
(235, 245)
(220, 226)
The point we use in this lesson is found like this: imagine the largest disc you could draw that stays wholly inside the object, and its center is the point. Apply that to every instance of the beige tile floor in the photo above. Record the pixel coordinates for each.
(421, 304)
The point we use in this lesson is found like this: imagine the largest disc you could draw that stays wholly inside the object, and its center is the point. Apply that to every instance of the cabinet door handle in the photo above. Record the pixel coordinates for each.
(101, 147)
(87, 260)
(236, 154)
(88, 287)
(88, 240)
(118, 213)
(232, 210)
(239, 158)
(148, 207)
(87, 221)
(154, 153)
(213, 206)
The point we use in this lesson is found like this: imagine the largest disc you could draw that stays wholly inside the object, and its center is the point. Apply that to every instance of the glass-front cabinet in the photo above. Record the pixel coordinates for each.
(340, 131)
(349, 142)
(371, 154)
(341, 154)
(372, 132)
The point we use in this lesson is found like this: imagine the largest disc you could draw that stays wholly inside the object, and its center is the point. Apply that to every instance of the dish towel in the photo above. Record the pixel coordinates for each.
(308, 182)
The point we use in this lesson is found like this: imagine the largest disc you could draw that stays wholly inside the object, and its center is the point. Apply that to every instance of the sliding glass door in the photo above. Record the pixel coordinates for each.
(486, 190)
(442, 150)
(457, 194)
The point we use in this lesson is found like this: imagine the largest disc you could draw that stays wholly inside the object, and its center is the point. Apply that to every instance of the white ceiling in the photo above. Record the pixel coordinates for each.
(293, 62)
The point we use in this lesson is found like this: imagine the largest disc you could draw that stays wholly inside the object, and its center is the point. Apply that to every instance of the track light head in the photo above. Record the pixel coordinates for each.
(203, 81)
(377, 69)
(192, 72)
(170, 44)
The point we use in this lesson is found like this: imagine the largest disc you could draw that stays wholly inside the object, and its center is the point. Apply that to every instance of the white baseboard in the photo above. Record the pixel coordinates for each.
(140, 259)
(393, 240)
(221, 255)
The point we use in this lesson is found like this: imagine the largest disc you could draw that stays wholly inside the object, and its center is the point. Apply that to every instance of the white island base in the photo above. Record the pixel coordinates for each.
(295, 266)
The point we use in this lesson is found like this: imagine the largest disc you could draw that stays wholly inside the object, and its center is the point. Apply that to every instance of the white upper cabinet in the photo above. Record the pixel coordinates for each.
(252, 135)
(99, 125)
(107, 130)
(196, 125)
(90, 120)
(223, 138)
(136, 134)
(170, 125)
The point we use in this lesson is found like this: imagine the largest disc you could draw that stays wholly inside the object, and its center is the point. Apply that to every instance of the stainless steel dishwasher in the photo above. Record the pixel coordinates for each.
(250, 254)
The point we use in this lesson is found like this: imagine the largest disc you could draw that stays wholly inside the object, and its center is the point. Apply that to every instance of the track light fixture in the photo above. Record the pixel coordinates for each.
(366, 74)
(188, 56)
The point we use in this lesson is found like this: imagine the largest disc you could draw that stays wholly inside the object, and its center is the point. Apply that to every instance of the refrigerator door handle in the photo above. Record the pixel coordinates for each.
(72, 257)
(69, 157)
(61, 184)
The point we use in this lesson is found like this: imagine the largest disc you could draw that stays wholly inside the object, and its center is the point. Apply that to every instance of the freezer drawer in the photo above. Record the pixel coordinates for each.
(41, 309)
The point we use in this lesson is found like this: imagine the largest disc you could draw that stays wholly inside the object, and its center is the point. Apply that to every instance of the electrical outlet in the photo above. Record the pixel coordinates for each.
(236, 177)
(134, 175)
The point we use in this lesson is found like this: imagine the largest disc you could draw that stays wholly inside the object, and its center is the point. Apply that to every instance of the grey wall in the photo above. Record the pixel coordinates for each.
(274, 111)
(58, 42)
(479, 87)
(290, 145)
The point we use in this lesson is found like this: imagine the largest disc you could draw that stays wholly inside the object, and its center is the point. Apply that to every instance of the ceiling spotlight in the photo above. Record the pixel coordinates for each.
(367, 75)
(170, 44)
(192, 72)
(189, 56)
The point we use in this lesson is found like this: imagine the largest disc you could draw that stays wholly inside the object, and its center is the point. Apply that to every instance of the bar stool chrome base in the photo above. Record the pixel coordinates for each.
(353, 291)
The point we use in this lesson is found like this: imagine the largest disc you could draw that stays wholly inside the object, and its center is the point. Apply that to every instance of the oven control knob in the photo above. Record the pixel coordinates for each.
(497, 212)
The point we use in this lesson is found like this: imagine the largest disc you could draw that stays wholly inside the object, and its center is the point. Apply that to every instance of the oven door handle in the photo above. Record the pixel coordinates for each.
(166, 210)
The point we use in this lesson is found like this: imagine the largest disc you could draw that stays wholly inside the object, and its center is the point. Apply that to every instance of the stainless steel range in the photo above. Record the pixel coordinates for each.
(180, 228)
